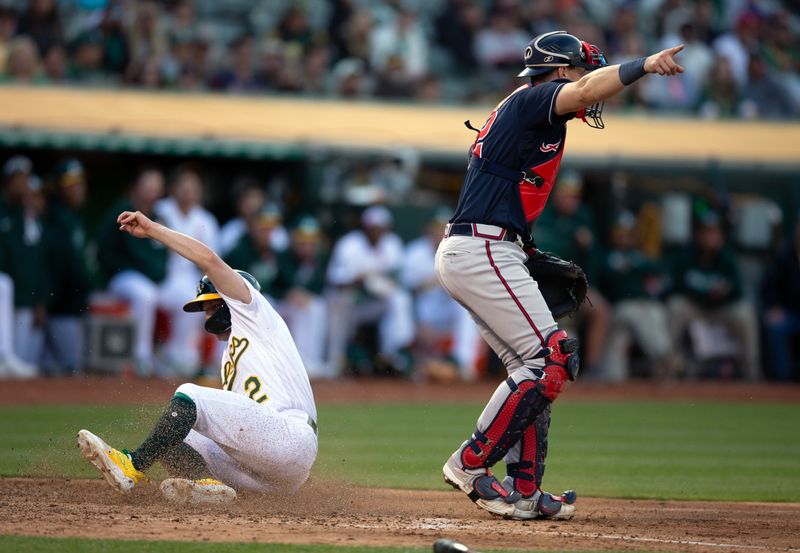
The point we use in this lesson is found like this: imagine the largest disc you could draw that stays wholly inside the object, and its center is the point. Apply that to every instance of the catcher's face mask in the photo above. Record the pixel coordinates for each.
(595, 59)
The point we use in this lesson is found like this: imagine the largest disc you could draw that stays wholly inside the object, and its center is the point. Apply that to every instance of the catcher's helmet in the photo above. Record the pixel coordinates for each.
(556, 49)
(560, 49)
(220, 321)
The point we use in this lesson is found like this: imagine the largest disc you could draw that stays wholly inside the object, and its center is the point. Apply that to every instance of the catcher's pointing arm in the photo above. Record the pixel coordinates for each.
(225, 279)
(606, 82)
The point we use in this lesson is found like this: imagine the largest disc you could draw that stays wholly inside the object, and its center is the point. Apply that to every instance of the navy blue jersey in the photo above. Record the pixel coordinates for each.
(523, 133)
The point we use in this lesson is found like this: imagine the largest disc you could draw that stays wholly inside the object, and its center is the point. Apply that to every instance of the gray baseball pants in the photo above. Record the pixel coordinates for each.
(489, 278)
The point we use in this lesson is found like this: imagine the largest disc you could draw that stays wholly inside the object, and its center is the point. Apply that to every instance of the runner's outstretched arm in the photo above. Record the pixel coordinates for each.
(606, 82)
(225, 279)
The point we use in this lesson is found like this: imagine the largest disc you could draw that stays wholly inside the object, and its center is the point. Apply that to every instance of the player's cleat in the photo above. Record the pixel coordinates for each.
(207, 490)
(556, 507)
(115, 465)
(543, 505)
(480, 486)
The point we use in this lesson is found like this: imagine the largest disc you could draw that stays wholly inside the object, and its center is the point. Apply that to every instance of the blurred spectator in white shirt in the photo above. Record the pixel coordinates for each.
(401, 39)
(445, 330)
(363, 289)
(183, 211)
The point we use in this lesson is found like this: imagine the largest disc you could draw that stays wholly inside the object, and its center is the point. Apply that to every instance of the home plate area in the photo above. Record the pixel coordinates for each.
(326, 513)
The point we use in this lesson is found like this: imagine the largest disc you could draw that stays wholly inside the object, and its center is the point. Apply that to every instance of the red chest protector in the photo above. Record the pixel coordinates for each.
(535, 188)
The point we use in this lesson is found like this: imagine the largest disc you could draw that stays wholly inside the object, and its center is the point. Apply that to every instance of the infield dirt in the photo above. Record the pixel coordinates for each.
(339, 514)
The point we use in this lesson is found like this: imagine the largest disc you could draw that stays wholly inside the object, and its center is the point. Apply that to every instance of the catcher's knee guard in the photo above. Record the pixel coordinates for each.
(522, 405)
(561, 362)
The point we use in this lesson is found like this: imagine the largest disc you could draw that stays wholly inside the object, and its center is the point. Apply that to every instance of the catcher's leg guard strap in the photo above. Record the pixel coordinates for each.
(523, 403)
(528, 471)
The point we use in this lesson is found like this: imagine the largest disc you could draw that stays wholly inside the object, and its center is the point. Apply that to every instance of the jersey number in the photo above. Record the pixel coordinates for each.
(236, 349)
(477, 146)
(253, 385)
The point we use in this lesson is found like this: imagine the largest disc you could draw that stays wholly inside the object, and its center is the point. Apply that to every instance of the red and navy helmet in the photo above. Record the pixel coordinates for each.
(556, 49)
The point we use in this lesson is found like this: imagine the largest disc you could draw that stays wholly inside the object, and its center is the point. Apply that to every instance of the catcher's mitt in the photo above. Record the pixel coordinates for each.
(562, 283)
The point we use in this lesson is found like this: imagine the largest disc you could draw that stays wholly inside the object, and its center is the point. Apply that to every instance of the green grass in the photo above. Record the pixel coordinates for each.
(16, 544)
(635, 450)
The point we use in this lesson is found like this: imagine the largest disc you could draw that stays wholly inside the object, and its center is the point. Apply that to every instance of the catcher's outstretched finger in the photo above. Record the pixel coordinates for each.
(674, 50)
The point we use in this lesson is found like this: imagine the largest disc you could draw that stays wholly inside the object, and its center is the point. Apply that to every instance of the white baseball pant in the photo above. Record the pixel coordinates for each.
(249, 445)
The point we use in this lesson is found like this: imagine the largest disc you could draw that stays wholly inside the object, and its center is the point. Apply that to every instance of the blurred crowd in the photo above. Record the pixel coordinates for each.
(365, 302)
(742, 56)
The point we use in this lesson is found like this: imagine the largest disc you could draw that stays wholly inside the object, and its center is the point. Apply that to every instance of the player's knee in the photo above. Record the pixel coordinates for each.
(188, 390)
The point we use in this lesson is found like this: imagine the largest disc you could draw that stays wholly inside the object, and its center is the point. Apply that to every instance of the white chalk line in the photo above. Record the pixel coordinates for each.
(449, 524)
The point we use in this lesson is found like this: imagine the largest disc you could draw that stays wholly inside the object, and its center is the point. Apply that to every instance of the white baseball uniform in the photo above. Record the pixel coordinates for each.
(356, 260)
(436, 309)
(259, 432)
(10, 364)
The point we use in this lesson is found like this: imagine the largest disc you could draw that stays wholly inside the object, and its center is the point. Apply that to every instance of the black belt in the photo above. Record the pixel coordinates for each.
(313, 424)
(470, 229)
(488, 166)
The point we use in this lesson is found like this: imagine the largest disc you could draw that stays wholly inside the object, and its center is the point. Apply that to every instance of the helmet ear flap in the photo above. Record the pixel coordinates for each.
(586, 52)
(592, 56)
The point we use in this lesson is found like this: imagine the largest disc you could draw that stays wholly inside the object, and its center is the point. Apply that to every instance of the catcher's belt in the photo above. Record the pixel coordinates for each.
(478, 230)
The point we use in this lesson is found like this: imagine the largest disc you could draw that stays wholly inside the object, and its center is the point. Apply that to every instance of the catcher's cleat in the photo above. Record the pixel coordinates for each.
(556, 507)
(480, 486)
(543, 505)
(115, 465)
(207, 490)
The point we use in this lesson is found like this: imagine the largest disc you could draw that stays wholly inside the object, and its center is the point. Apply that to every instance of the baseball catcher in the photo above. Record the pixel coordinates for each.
(258, 432)
(488, 263)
